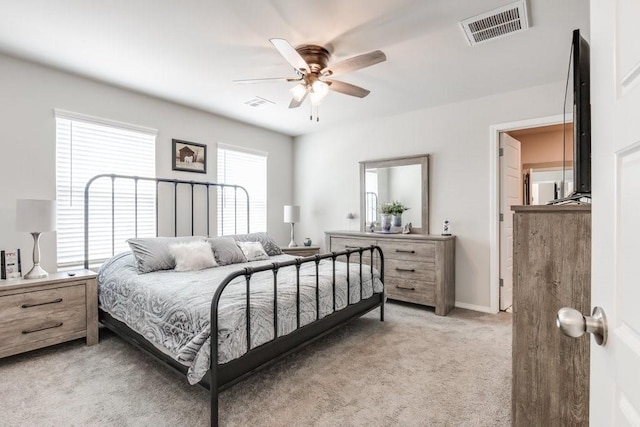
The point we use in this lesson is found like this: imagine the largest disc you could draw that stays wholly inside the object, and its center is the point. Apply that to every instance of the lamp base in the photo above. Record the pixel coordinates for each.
(292, 243)
(36, 272)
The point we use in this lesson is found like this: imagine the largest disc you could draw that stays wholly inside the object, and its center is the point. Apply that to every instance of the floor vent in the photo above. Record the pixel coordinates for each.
(500, 22)
(259, 103)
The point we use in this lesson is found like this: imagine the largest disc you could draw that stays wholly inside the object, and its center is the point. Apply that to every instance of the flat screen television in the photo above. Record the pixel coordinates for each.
(581, 118)
(580, 63)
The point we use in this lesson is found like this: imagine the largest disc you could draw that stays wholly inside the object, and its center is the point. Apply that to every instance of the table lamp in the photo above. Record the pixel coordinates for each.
(291, 216)
(35, 217)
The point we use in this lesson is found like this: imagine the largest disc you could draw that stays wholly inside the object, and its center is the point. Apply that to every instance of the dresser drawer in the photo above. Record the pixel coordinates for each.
(340, 244)
(410, 251)
(410, 290)
(410, 270)
(33, 316)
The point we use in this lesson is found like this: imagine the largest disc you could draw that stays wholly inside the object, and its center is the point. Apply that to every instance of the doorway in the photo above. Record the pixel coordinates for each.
(529, 166)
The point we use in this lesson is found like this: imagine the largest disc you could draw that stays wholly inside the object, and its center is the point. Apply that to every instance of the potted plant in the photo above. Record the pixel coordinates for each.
(391, 214)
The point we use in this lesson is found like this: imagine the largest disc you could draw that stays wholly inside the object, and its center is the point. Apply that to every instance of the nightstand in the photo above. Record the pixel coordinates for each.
(41, 312)
(301, 250)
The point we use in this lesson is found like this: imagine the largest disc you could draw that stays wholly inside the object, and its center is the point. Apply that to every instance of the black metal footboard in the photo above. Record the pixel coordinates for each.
(222, 376)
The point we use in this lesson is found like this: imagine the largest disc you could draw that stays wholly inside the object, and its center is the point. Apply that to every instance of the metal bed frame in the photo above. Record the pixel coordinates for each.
(222, 376)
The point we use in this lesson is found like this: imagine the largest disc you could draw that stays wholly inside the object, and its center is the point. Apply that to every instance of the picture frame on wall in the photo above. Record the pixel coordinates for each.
(189, 156)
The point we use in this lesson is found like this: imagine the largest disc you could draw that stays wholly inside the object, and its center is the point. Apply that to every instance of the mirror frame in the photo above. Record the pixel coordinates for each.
(420, 159)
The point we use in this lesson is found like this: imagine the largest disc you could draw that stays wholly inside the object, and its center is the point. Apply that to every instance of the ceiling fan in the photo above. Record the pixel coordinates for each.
(314, 73)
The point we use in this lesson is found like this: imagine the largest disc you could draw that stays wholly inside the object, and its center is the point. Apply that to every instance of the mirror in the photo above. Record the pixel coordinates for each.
(544, 184)
(401, 179)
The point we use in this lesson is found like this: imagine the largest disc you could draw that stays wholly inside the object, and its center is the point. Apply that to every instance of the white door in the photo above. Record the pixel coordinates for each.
(510, 195)
(615, 107)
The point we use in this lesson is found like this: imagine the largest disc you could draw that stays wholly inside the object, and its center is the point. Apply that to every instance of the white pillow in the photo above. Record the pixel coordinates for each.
(253, 251)
(192, 256)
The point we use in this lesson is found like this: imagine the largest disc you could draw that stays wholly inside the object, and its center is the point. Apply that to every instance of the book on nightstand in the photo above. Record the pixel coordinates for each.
(10, 267)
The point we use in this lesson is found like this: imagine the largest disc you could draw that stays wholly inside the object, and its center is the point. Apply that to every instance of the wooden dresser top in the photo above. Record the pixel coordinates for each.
(389, 235)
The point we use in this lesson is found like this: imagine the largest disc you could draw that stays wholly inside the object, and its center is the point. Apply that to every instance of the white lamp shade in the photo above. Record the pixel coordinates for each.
(35, 215)
(298, 92)
(291, 214)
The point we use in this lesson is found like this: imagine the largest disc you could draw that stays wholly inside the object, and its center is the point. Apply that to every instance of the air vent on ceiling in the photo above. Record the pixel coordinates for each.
(499, 22)
(259, 103)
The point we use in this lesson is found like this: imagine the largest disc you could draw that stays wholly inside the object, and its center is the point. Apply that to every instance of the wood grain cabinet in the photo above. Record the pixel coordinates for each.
(552, 269)
(418, 268)
(41, 312)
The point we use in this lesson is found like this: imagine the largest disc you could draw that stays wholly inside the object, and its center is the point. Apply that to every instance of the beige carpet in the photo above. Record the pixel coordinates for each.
(415, 369)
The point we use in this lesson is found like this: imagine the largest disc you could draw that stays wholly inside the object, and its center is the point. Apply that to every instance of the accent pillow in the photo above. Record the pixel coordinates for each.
(191, 256)
(153, 254)
(269, 245)
(226, 251)
(253, 251)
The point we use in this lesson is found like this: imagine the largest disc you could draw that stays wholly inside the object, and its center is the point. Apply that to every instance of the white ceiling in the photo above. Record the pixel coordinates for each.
(189, 51)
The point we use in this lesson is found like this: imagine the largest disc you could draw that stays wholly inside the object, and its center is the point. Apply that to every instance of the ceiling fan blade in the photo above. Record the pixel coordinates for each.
(296, 104)
(270, 80)
(290, 54)
(355, 63)
(347, 88)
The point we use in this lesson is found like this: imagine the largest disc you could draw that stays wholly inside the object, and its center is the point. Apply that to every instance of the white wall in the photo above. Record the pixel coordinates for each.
(28, 95)
(457, 137)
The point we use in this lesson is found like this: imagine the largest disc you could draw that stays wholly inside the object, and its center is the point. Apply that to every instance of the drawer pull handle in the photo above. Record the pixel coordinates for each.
(406, 289)
(55, 301)
(351, 247)
(404, 251)
(409, 270)
(43, 328)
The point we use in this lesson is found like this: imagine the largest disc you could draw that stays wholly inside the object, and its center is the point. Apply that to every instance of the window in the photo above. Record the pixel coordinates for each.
(248, 169)
(88, 146)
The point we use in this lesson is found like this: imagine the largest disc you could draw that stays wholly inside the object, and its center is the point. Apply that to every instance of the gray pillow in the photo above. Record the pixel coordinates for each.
(269, 245)
(153, 253)
(253, 251)
(226, 251)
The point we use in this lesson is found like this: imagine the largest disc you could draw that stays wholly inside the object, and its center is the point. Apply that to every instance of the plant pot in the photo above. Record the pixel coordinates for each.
(396, 220)
(385, 222)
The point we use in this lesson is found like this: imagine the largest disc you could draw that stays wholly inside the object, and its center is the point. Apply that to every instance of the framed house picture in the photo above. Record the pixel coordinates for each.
(189, 156)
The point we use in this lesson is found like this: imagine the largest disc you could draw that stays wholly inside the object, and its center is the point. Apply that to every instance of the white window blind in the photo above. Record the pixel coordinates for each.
(86, 147)
(249, 170)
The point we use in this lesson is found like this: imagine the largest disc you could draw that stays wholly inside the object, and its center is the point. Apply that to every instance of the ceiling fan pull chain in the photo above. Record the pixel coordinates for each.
(310, 111)
(317, 113)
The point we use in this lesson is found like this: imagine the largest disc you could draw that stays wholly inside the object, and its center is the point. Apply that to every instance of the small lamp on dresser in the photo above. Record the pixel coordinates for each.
(291, 216)
(35, 217)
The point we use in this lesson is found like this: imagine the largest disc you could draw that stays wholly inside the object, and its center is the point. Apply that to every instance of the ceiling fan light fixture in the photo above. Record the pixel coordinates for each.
(315, 98)
(320, 88)
(298, 91)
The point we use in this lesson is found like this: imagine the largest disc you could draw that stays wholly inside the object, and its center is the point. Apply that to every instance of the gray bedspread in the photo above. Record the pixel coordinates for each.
(172, 309)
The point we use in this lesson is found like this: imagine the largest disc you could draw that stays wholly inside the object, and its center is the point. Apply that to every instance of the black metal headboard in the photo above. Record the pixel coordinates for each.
(112, 197)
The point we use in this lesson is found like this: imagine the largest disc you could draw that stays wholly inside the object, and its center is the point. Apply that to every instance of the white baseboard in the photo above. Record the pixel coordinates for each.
(474, 307)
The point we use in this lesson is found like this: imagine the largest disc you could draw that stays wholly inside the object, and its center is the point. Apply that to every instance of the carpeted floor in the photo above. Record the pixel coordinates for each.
(415, 369)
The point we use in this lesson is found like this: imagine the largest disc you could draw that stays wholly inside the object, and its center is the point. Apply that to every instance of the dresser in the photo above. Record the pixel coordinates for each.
(551, 270)
(418, 268)
(38, 313)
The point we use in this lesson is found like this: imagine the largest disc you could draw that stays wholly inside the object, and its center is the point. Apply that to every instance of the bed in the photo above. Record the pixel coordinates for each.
(262, 310)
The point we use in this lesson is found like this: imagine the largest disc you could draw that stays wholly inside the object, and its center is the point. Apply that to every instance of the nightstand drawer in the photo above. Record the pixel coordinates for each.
(41, 315)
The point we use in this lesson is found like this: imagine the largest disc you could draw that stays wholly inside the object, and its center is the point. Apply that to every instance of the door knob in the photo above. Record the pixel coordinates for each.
(573, 324)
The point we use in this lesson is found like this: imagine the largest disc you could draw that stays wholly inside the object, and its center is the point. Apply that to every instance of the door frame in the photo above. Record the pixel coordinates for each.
(494, 194)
